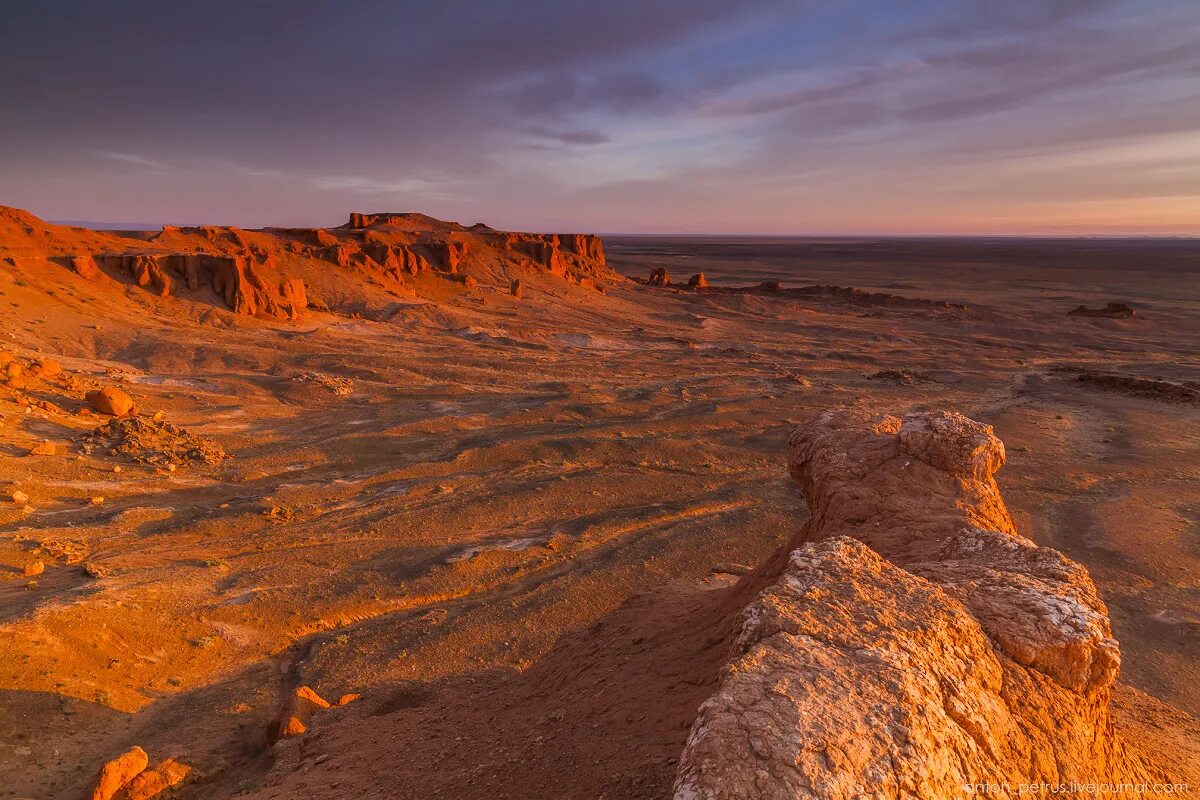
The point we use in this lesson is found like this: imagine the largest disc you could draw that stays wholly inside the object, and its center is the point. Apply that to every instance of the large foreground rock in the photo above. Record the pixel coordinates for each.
(911, 644)
(119, 772)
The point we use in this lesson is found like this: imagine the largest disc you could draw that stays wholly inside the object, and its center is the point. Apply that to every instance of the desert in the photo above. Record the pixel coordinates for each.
(563, 400)
(421, 537)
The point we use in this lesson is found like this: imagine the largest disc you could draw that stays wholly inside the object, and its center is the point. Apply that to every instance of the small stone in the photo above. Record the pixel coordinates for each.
(43, 449)
(34, 568)
(96, 501)
(19, 497)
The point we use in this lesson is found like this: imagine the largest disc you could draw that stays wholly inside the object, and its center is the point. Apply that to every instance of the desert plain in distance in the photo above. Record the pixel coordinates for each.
(489, 509)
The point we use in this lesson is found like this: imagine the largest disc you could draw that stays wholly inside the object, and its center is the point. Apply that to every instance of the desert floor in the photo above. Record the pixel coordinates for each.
(503, 472)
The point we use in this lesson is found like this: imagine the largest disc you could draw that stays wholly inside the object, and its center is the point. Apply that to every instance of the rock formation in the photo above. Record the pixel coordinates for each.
(118, 772)
(281, 273)
(1138, 386)
(908, 642)
(298, 709)
(659, 277)
(1110, 310)
(452, 252)
(838, 294)
(698, 281)
(111, 400)
(567, 256)
(153, 782)
(238, 280)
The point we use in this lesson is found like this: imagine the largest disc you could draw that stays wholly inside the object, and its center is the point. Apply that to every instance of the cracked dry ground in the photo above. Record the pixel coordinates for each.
(501, 475)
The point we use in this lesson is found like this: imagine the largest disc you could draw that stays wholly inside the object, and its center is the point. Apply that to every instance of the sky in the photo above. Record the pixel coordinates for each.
(639, 116)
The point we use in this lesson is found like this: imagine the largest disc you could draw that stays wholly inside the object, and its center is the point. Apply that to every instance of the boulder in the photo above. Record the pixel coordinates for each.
(43, 449)
(111, 400)
(295, 713)
(698, 281)
(516, 289)
(117, 773)
(659, 277)
(47, 368)
(85, 267)
(153, 782)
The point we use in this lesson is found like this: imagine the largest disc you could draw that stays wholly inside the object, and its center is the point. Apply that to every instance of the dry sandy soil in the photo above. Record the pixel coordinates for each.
(417, 508)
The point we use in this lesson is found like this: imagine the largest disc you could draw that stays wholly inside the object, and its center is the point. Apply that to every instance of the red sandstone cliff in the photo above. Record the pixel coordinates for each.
(282, 272)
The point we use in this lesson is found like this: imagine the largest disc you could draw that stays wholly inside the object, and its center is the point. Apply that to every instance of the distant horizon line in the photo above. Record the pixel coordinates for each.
(147, 226)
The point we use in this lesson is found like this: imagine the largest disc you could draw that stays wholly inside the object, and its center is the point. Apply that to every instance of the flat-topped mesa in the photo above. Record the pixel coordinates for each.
(408, 220)
(911, 642)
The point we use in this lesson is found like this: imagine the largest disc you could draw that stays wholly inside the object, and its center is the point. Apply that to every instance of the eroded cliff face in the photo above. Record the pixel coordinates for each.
(911, 643)
(573, 255)
(244, 283)
(282, 272)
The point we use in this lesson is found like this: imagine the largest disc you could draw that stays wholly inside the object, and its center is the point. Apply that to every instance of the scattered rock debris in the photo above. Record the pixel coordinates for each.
(339, 386)
(1135, 386)
(155, 442)
(904, 377)
(1111, 311)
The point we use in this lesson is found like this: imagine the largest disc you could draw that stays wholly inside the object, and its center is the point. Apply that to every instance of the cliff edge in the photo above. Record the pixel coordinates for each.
(909, 643)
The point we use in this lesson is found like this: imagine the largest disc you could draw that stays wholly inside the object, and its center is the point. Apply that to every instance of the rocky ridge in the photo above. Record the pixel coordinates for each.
(282, 273)
(909, 642)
